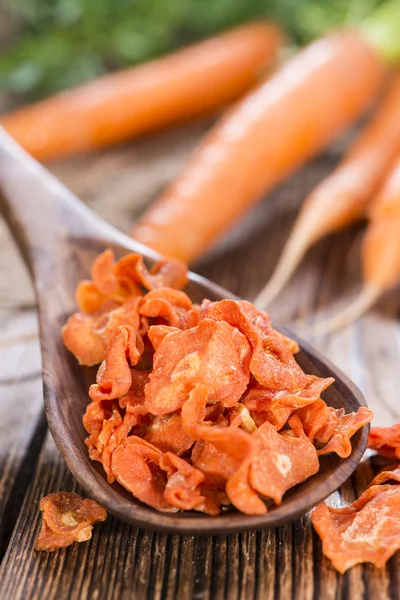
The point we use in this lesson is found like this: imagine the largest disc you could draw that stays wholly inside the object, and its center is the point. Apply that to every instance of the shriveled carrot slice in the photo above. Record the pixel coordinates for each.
(166, 433)
(386, 440)
(366, 531)
(80, 339)
(388, 475)
(157, 333)
(136, 466)
(184, 486)
(214, 354)
(279, 405)
(276, 466)
(222, 450)
(87, 336)
(345, 428)
(108, 282)
(272, 363)
(135, 396)
(166, 273)
(89, 298)
(67, 518)
(115, 377)
(312, 418)
(160, 306)
(114, 437)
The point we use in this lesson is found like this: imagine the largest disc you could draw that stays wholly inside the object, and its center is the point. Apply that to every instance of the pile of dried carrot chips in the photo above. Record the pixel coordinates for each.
(196, 406)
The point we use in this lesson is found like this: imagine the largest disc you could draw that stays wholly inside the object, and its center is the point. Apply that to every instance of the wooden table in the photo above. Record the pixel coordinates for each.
(123, 562)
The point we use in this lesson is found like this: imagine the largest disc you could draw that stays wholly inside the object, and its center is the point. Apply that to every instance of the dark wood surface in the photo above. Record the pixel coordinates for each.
(121, 561)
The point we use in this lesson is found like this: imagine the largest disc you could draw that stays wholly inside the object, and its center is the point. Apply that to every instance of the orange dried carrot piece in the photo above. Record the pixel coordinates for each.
(386, 440)
(136, 466)
(272, 469)
(279, 405)
(366, 531)
(157, 333)
(87, 335)
(114, 377)
(214, 354)
(67, 518)
(347, 425)
(184, 487)
(170, 305)
(166, 433)
(272, 363)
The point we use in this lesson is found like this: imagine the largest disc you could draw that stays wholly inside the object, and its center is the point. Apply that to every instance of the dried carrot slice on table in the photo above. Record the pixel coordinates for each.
(67, 518)
(386, 440)
(367, 530)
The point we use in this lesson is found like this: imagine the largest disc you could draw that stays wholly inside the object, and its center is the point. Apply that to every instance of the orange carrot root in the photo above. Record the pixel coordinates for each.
(259, 142)
(192, 82)
(342, 197)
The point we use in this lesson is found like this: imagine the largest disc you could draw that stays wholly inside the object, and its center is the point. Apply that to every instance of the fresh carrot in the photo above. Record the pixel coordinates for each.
(342, 197)
(275, 129)
(387, 202)
(380, 254)
(192, 82)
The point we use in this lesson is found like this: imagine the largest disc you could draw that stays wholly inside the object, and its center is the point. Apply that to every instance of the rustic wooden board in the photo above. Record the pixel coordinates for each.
(123, 562)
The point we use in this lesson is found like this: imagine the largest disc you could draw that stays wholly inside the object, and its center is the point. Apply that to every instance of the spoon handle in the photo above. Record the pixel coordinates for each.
(42, 213)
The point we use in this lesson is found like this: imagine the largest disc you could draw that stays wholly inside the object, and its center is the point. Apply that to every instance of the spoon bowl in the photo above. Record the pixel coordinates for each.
(59, 238)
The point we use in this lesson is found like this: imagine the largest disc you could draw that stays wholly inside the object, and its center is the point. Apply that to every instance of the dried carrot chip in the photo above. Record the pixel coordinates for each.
(272, 468)
(184, 486)
(313, 418)
(165, 273)
(136, 466)
(386, 440)
(280, 404)
(87, 336)
(135, 396)
(223, 449)
(80, 339)
(345, 428)
(276, 466)
(67, 518)
(388, 475)
(272, 362)
(214, 354)
(108, 282)
(170, 305)
(366, 531)
(89, 298)
(115, 377)
(157, 333)
(166, 433)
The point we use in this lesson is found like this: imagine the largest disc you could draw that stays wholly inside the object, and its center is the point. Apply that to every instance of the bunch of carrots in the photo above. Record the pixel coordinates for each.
(281, 120)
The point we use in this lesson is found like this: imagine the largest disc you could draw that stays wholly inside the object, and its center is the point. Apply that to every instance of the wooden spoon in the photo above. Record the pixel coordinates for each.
(59, 237)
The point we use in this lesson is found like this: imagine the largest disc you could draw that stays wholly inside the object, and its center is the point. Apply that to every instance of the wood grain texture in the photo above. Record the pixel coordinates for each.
(266, 565)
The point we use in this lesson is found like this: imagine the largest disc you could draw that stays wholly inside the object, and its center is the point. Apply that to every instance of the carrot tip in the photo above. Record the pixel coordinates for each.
(292, 254)
(354, 311)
